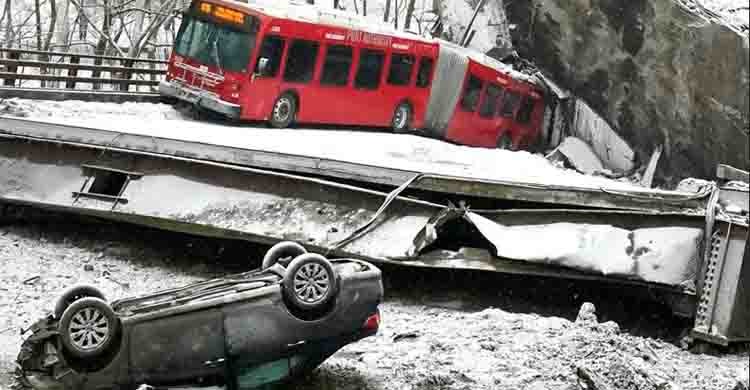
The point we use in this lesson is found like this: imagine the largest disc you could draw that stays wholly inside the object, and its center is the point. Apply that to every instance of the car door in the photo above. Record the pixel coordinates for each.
(178, 347)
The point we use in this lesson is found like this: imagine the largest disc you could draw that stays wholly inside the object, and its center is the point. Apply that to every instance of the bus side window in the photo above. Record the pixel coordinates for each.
(300, 62)
(269, 58)
(370, 69)
(401, 66)
(336, 68)
(425, 71)
(490, 102)
(470, 100)
(510, 101)
(524, 113)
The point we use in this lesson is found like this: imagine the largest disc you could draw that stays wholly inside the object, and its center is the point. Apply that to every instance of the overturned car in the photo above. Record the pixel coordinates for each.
(241, 331)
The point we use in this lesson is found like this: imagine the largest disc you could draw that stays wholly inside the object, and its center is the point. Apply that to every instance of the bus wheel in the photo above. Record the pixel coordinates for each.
(401, 121)
(505, 142)
(284, 111)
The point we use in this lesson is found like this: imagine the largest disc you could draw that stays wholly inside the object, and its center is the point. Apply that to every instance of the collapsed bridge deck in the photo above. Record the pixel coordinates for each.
(326, 189)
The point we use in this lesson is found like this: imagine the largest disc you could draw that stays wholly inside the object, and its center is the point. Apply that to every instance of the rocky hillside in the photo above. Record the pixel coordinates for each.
(661, 72)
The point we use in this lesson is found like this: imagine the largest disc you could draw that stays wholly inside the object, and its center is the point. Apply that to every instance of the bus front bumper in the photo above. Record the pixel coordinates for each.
(199, 98)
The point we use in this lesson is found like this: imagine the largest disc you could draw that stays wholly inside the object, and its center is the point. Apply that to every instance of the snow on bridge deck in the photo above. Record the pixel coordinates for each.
(159, 123)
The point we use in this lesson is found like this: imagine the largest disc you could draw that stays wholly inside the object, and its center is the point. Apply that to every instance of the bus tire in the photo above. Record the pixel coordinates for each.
(284, 111)
(402, 118)
(505, 142)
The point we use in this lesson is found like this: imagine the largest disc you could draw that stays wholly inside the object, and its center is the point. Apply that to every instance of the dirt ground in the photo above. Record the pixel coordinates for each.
(440, 330)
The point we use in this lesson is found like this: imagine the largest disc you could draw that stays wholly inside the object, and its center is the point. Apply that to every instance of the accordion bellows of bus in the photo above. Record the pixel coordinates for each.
(295, 63)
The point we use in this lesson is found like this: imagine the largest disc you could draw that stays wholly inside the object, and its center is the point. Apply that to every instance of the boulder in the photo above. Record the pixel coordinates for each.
(655, 70)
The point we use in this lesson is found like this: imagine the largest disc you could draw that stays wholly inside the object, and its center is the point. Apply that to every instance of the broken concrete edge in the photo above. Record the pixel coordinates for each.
(729, 173)
(499, 265)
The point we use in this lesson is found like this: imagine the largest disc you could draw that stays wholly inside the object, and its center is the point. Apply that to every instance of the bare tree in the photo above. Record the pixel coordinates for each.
(159, 18)
(9, 24)
(409, 14)
(52, 25)
(38, 14)
(364, 7)
(87, 20)
(395, 14)
(387, 10)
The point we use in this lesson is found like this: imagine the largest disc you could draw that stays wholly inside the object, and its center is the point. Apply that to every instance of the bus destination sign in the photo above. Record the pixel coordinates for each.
(222, 13)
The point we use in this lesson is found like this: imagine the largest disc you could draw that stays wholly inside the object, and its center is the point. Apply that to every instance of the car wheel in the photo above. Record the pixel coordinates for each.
(88, 327)
(73, 294)
(282, 250)
(284, 111)
(505, 142)
(402, 117)
(310, 282)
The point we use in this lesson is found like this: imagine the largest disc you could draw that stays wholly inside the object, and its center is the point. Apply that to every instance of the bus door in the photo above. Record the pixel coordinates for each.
(397, 86)
(487, 127)
(462, 127)
(370, 106)
(299, 72)
(524, 125)
(334, 103)
(508, 110)
(265, 78)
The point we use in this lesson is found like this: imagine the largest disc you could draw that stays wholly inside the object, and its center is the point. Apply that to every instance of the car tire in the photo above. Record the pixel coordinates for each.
(73, 294)
(402, 118)
(505, 142)
(88, 327)
(284, 249)
(310, 282)
(284, 111)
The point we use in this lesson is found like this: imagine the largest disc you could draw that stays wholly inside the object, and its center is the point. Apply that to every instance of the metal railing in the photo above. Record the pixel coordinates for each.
(54, 70)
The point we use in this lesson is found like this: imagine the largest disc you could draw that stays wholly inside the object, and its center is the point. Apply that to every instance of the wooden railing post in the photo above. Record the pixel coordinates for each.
(73, 72)
(11, 82)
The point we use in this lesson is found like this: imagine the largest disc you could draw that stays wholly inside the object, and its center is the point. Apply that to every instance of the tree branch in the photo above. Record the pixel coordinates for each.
(98, 31)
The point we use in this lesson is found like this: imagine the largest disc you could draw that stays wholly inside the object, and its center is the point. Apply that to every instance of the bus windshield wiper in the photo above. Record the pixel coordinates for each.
(217, 58)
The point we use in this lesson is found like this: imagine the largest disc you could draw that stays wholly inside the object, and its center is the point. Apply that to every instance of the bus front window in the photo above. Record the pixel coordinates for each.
(211, 43)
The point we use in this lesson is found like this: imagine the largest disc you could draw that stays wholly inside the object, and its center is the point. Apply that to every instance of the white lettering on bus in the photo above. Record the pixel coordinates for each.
(400, 46)
(275, 29)
(337, 37)
(368, 38)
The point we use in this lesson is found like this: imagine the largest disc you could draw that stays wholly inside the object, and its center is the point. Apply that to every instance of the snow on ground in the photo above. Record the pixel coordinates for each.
(397, 151)
(424, 343)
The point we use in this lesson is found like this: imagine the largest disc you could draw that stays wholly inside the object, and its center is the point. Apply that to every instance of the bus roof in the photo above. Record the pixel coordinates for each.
(301, 11)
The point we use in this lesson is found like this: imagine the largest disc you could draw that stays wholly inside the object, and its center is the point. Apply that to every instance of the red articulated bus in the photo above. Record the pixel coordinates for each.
(298, 63)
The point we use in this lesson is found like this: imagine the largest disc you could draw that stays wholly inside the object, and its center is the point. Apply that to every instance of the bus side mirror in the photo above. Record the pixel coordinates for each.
(262, 68)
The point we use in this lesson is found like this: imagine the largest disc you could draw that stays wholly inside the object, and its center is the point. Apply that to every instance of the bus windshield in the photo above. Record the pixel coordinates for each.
(211, 43)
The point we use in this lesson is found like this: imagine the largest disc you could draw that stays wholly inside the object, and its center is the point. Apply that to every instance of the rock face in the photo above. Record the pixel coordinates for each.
(659, 74)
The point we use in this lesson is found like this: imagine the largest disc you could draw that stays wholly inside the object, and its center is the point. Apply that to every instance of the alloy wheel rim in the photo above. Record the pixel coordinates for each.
(89, 329)
(311, 283)
(401, 116)
(282, 109)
